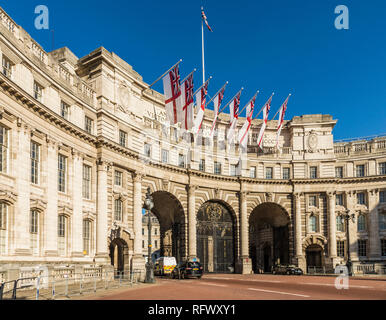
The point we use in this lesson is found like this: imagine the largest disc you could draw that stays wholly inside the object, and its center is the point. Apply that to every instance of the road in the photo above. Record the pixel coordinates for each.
(252, 287)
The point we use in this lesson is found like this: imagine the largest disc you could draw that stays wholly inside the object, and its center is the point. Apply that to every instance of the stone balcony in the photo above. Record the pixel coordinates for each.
(360, 147)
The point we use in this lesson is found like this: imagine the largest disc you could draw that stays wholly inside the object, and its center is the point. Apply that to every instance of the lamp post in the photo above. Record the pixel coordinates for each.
(148, 205)
(347, 217)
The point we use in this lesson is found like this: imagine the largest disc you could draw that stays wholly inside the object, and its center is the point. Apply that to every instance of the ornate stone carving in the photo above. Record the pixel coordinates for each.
(124, 92)
(38, 204)
(165, 184)
(8, 197)
(137, 176)
(269, 196)
(312, 142)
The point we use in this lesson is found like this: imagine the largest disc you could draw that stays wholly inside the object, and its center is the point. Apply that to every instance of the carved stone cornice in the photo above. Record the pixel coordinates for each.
(8, 197)
(123, 196)
(297, 195)
(330, 195)
(191, 189)
(103, 165)
(138, 176)
(65, 210)
(37, 204)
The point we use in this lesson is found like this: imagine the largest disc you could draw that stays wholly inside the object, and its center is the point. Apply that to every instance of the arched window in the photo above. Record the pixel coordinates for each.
(3, 227)
(361, 223)
(313, 224)
(339, 224)
(62, 235)
(118, 209)
(34, 231)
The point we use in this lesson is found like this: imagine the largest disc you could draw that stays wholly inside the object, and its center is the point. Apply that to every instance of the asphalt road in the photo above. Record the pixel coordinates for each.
(251, 287)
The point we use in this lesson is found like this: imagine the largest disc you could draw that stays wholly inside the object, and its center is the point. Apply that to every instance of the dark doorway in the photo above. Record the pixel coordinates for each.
(119, 254)
(267, 258)
(314, 256)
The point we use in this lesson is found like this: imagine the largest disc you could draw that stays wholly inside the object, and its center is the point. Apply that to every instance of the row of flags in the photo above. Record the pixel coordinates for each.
(179, 103)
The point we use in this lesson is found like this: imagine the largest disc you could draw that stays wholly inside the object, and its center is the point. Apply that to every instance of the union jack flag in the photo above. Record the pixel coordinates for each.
(205, 20)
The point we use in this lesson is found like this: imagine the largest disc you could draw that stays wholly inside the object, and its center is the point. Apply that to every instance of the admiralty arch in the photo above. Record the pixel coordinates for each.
(81, 140)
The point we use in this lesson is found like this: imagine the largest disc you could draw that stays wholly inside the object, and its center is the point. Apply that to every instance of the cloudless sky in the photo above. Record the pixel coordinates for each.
(267, 45)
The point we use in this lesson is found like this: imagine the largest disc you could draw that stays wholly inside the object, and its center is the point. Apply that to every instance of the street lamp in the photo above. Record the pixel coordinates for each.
(348, 217)
(148, 205)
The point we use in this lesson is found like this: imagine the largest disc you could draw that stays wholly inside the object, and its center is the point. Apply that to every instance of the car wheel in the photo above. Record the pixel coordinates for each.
(288, 273)
(273, 272)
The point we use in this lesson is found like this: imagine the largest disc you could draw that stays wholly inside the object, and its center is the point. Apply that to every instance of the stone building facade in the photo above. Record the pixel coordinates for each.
(82, 139)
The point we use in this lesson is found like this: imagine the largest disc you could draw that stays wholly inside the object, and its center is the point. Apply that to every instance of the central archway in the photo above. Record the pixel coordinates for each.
(268, 236)
(215, 237)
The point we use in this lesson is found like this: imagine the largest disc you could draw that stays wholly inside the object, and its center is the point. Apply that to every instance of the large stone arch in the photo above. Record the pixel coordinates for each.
(314, 249)
(120, 248)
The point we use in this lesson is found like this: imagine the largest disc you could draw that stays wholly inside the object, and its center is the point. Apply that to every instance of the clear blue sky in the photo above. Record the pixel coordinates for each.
(267, 45)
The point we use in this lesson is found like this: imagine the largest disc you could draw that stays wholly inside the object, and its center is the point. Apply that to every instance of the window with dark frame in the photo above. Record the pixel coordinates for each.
(118, 178)
(361, 199)
(3, 149)
(62, 171)
(360, 170)
(382, 168)
(339, 172)
(64, 110)
(35, 162)
(268, 173)
(339, 199)
(122, 138)
(88, 124)
(362, 248)
(340, 248)
(86, 182)
(38, 91)
(313, 172)
(286, 173)
(7, 66)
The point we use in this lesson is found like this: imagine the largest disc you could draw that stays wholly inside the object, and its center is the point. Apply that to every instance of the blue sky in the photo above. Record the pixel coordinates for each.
(267, 45)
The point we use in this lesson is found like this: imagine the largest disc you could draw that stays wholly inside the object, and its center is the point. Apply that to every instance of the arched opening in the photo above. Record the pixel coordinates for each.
(268, 236)
(119, 255)
(314, 256)
(215, 237)
(171, 218)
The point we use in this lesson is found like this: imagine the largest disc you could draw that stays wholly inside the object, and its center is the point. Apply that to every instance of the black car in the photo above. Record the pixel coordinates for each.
(286, 269)
(187, 269)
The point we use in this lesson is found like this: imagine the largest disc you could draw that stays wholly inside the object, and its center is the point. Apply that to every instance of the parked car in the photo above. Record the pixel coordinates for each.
(286, 269)
(187, 269)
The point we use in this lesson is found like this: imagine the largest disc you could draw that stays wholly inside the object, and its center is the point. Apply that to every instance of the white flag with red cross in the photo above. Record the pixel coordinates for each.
(200, 103)
(266, 109)
(243, 132)
(217, 103)
(234, 113)
(283, 109)
(203, 16)
(186, 114)
(172, 92)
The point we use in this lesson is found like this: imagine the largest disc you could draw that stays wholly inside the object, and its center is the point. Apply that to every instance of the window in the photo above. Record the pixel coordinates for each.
(34, 222)
(382, 168)
(86, 182)
(217, 167)
(86, 237)
(383, 247)
(361, 223)
(118, 178)
(34, 231)
(313, 172)
(38, 89)
(122, 138)
(7, 67)
(165, 156)
(339, 172)
(362, 252)
(339, 224)
(252, 172)
(35, 160)
(88, 124)
(233, 170)
(339, 199)
(143, 231)
(143, 244)
(268, 173)
(118, 210)
(155, 244)
(361, 198)
(62, 171)
(155, 231)
(202, 165)
(360, 170)
(3, 227)
(181, 160)
(147, 150)
(64, 110)
(286, 173)
(3, 149)
(62, 222)
(382, 221)
(312, 201)
(382, 196)
(313, 224)
(340, 248)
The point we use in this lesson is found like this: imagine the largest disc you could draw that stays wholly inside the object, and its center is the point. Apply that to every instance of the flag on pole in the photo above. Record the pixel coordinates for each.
(172, 93)
(186, 114)
(283, 109)
(217, 103)
(266, 109)
(234, 113)
(200, 103)
(243, 133)
(205, 19)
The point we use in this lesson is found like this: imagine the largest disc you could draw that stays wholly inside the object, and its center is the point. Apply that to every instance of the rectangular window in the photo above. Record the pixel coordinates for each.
(86, 182)
(3, 228)
(35, 162)
(252, 172)
(360, 170)
(362, 252)
(64, 110)
(155, 244)
(165, 156)
(340, 248)
(62, 235)
(268, 173)
(339, 172)
(233, 170)
(62, 172)
(88, 124)
(118, 178)
(86, 236)
(118, 210)
(143, 244)
(382, 196)
(155, 231)
(3, 149)
(38, 91)
(313, 172)
(286, 173)
(34, 228)
(361, 199)
(339, 199)
(217, 167)
(181, 160)
(7, 67)
(312, 201)
(202, 165)
(382, 168)
(382, 221)
(147, 150)
(143, 231)
(122, 138)
(34, 222)
(383, 247)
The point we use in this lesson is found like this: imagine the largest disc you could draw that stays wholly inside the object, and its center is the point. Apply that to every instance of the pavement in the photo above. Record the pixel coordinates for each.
(249, 287)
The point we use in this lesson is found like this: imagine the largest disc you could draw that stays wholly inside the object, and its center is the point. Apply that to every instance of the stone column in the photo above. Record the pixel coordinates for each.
(332, 228)
(23, 176)
(192, 226)
(101, 237)
(77, 219)
(351, 201)
(375, 242)
(246, 262)
(51, 217)
(298, 232)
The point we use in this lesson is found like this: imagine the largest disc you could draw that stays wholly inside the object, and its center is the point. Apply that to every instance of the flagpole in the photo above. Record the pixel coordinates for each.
(202, 85)
(231, 100)
(280, 107)
(202, 46)
(217, 93)
(249, 102)
(263, 106)
(194, 70)
(159, 78)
